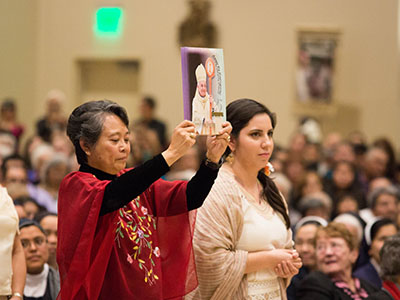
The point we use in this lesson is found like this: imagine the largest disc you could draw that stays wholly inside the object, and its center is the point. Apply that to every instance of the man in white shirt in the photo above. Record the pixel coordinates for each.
(42, 281)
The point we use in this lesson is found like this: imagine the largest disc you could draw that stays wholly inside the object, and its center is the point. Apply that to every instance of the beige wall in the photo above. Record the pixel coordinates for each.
(18, 51)
(258, 38)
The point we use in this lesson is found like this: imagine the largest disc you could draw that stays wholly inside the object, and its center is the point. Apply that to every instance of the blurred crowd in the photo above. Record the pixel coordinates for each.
(333, 177)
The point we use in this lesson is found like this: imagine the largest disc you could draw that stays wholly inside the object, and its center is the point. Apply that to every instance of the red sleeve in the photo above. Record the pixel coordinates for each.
(175, 226)
(168, 198)
(84, 247)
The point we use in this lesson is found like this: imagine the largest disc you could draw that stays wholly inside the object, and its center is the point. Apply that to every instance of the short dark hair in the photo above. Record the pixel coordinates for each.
(390, 258)
(24, 199)
(27, 223)
(86, 123)
(8, 104)
(43, 214)
(149, 101)
(14, 156)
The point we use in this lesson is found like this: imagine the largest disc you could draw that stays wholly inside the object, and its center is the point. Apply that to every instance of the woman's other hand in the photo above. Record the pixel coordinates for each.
(182, 139)
(268, 259)
(289, 267)
(217, 144)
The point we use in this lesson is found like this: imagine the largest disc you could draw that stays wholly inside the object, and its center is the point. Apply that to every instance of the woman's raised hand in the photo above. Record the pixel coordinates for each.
(217, 144)
(182, 139)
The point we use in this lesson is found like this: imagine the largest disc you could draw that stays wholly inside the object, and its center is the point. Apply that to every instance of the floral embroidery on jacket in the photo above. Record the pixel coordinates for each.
(138, 225)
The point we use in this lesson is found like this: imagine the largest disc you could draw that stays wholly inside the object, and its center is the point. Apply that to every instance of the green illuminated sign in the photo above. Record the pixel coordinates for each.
(108, 21)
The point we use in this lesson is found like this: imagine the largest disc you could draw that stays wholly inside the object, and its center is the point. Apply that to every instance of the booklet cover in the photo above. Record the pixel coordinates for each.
(203, 78)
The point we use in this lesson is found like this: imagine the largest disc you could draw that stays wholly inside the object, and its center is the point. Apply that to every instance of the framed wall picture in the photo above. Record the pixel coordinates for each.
(316, 56)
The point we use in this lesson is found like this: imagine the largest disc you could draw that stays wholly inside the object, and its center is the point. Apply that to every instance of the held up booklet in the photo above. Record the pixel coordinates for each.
(203, 80)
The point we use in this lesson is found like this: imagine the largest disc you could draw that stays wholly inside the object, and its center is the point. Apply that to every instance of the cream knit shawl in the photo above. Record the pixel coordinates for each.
(220, 266)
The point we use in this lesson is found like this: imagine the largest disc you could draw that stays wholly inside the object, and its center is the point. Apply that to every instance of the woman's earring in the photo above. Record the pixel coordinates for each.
(229, 159)
(269, 169)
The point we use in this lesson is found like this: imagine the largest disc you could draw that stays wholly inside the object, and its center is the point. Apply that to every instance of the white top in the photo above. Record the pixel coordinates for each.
(36, 284)
(9, 228)
(263, 229)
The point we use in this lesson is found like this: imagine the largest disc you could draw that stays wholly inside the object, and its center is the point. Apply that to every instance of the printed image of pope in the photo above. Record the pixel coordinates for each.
(202, 105)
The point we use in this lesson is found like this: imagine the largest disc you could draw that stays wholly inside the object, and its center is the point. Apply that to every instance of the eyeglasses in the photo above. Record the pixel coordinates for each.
(334, 246)
(38, 241)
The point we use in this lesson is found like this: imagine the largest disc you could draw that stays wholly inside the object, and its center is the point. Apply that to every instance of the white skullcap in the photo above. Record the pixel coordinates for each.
(310, 220)
(349, 219)
(200, 73)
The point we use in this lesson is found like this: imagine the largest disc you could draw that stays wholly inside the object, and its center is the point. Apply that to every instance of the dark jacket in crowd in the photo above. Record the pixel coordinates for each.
(318, 286)
(383, 294)
(295, 283)
(368, 273)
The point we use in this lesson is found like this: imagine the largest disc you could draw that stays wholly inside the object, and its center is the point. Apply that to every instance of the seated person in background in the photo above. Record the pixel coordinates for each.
(346, 203)
(145, 144)
(48, 221)
(148, 120)
(8, 118)
(336, 252)
(53, 172)
(13, 160)
(317, 204)
(374, 165)
(356, 226)
(15, 179)
(384, 202)
(310, 184)
(376, 232)
(390, 270)
(42, 281)
(185, 167)
(305, 231)
(31, 207)
(54, 118)
(8, 144)
(344, 182)
(378, 182)
(19, 207)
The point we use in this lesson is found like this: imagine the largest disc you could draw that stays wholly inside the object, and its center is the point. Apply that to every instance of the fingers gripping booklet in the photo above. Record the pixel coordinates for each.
(203, 80)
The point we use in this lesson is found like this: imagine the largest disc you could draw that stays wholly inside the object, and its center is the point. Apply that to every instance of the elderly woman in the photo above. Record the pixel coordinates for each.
(126, 234)
(390, 270)
(243, 241)
(336, 252)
